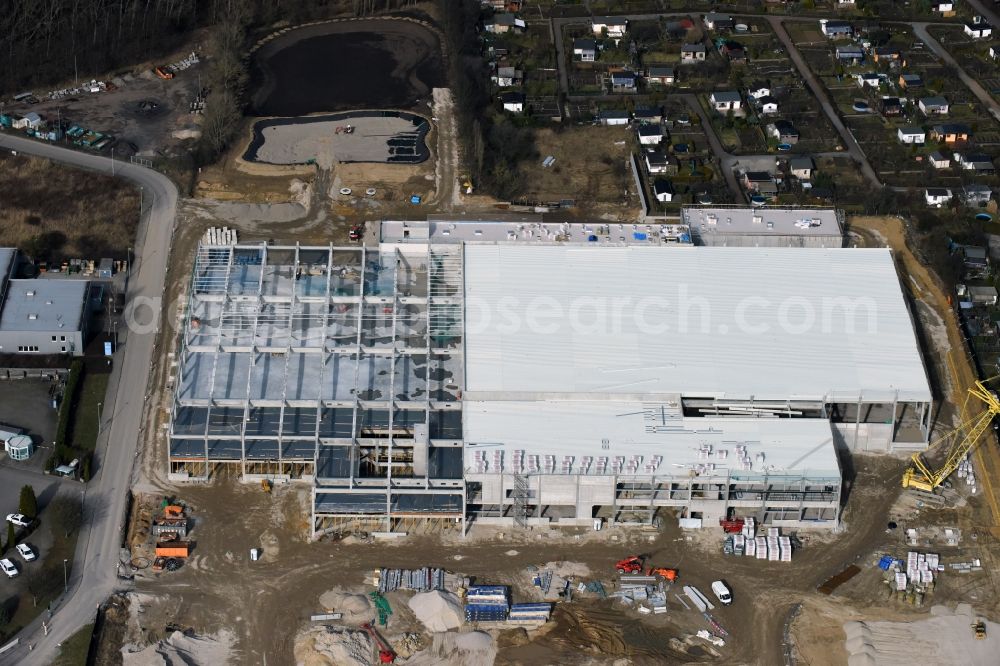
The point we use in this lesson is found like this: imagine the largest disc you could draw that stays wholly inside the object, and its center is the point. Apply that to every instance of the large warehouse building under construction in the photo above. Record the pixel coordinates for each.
(508, 377)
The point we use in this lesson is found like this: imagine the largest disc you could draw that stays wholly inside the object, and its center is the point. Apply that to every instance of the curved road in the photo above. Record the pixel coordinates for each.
(819, 92)
(920, 30)
(94, 575)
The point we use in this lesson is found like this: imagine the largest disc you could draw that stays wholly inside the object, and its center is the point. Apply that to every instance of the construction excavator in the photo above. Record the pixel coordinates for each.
(664, 573)
(630, 565)
(958, 443)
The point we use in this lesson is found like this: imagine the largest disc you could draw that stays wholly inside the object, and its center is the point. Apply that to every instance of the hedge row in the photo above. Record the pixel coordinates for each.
(76, 371)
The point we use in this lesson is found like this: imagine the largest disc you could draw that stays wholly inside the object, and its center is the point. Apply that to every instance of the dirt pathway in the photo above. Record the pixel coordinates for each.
(447, 193)
(925, 287)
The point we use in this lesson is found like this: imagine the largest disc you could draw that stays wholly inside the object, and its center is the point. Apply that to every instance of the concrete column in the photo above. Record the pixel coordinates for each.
(857, 425)
(892, 433)
(538, 503)
(614, 498)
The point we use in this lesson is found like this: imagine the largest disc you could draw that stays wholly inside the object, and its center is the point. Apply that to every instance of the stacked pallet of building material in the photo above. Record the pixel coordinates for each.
(921, 567)
(487, 603)
(761, 548)
(911, 564)
(532, 613)
(772, 549)
(900, 582)
(785, 545)
(739, 544)
(627, 581)
(749, 528)
(751, 550)
(223, 236)
(419, 580)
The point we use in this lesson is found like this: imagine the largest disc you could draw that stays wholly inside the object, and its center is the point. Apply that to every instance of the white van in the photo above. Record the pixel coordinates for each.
(722, 593)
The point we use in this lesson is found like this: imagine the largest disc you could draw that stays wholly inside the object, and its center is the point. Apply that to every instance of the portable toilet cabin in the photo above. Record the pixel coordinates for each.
(105, 269)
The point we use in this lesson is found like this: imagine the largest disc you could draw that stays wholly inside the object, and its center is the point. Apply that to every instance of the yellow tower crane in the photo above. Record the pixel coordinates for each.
(959, 442)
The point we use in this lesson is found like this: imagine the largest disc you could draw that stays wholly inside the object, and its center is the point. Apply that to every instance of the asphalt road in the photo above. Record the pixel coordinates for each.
(94, 574)
(725, 159)
(920, 30)
(853, 148)
(986, 11)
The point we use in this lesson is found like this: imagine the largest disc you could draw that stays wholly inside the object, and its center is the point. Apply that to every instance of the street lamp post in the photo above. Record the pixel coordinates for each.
(65, 577)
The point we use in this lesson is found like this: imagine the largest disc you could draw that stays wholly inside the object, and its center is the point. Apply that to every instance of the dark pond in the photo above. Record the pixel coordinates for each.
(350, 67)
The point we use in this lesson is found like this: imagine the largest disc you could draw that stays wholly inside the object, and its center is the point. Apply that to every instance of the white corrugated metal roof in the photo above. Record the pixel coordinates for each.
(610, 429)
(698, 321)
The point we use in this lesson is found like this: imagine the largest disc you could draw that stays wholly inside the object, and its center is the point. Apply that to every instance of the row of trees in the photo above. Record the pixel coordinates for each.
(495, 144)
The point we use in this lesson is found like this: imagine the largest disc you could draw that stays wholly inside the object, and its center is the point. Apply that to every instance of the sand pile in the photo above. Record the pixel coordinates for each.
(437, 610)
(321, 646)
(179, 649)
(475, 648)
(356, 608)
(945, 638)
(474, 641)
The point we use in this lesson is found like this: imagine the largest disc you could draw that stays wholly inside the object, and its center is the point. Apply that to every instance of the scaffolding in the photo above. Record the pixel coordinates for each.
(334, 365)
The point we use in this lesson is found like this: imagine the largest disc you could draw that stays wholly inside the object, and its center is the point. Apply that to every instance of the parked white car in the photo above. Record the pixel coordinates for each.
(18, 519)
(8, 567)
(722, 593)
(24, 550)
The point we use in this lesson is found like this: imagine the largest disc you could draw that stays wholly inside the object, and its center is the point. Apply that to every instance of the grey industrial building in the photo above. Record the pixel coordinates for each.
(406, 381)
(40, 316)
(764, 226)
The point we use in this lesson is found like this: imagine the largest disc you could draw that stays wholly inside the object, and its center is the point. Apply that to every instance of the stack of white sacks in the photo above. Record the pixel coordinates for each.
(967, 472)
(921, 567)
(773, 547)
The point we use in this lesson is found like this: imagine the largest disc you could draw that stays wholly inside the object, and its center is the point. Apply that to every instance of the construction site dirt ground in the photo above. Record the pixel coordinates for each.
(259, 607)
(591, 167)
(264, 604)
(144, 112)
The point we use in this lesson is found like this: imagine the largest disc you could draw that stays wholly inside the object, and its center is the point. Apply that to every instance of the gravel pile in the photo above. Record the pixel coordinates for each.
(182, 649)
(437, 610)
(355, 608)
(321, 646)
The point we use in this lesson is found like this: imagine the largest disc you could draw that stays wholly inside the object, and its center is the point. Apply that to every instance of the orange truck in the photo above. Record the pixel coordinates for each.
(164, 73)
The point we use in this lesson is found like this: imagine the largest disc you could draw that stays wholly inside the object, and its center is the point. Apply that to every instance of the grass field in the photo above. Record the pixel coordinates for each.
(85, 425)
(590, 166)
(74, 649)
(54, 212)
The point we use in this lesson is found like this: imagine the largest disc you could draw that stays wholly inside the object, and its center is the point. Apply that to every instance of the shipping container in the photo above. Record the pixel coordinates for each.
(172, 549)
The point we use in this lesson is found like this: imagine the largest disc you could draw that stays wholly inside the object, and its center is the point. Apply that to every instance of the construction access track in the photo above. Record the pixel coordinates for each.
(924, 286)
